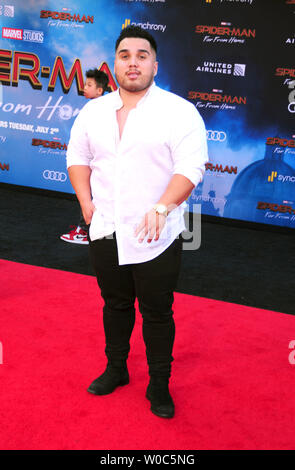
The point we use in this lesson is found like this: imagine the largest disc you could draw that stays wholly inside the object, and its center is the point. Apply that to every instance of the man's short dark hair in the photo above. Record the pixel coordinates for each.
(100, 77)
(136, 32)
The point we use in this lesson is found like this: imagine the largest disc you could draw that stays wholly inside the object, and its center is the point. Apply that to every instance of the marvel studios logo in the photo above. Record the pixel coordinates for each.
(7, 10)
(23, 34)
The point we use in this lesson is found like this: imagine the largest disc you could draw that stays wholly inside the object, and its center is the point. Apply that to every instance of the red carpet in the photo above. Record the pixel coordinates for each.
(233, 384)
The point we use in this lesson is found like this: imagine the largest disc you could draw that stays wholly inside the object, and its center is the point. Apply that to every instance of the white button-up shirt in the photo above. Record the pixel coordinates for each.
(164, 135)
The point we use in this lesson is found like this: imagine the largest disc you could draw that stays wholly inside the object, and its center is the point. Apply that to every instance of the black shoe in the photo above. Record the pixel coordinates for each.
(161, 402)
(109, 381)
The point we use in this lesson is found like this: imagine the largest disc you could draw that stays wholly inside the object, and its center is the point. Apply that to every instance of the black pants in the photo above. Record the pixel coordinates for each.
(153, 283)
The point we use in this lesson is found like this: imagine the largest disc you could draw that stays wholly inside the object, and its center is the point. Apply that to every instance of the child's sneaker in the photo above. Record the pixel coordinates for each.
(76, 235)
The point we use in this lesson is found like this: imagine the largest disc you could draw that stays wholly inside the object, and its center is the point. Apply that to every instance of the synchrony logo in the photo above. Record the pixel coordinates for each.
(244, 2)
(282, 178)
(146, 25)
(272, 176)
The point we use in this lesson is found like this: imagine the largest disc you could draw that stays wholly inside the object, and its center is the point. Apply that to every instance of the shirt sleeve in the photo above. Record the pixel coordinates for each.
(78, 152)
(189, 144)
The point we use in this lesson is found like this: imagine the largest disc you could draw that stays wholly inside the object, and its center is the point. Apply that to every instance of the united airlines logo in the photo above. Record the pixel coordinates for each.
(222, 68)
(239, 69)
(7, 10)
(290, 40)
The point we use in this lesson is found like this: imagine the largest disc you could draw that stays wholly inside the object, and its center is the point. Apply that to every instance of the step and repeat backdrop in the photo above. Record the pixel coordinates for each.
(233, 59)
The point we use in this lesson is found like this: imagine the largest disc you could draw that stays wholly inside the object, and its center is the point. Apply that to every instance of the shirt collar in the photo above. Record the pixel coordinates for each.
(118, 103)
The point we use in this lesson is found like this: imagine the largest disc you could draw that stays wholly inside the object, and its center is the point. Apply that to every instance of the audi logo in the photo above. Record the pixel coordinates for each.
(217, 136)
(54, 176)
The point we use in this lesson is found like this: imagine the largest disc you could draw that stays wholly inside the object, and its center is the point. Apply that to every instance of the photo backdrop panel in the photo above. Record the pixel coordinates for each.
(233, 59)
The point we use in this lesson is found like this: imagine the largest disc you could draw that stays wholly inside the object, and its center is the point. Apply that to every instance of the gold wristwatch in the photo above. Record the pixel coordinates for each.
(161, 209)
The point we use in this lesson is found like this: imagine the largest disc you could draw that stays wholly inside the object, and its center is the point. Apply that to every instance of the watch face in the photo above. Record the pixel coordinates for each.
(161, 209)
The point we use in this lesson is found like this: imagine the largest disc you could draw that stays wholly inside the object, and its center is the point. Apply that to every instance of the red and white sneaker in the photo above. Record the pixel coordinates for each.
(76, 235)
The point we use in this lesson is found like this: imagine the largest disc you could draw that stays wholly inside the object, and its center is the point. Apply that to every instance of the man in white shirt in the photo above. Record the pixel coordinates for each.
(133, 158)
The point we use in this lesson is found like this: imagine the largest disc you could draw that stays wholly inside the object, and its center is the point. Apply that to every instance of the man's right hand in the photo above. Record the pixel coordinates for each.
(80, 179)
(87, 211)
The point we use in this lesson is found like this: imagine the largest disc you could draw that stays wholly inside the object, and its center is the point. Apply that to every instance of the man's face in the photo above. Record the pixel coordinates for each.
(91, 90)
(135, 64)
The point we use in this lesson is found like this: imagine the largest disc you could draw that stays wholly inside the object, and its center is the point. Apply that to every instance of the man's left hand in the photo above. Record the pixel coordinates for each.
(151, 226)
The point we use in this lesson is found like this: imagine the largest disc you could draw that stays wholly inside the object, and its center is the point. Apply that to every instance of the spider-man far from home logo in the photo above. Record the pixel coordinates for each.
(66, 16)
(12, 71)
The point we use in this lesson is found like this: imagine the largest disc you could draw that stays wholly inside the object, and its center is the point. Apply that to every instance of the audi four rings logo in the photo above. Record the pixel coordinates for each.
(54, 176)
(217, 136)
